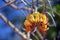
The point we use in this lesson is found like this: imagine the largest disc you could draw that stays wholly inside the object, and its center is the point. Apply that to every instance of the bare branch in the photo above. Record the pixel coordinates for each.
(54, 11)
(12, 26)
(27, 2)
(10, 0)
(39, 35)
(15, 7)
(54, 24)
(51, 8)
(32, 5)
(12, 4)
(35, 36)
(44, 5)
(32, 34)
(6, 5)
(28, 36)
(24, 2)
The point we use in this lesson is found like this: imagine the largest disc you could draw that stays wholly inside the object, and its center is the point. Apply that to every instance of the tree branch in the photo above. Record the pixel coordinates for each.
(44, 5)
(6, 5)
(12, 26)
(51, 8)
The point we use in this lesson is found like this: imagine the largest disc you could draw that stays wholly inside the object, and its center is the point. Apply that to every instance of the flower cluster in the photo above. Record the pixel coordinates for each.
(43, 24)
(32, 20)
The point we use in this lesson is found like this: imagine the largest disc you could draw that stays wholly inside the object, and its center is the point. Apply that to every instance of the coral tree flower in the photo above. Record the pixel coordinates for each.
(43, 23)
(27, 25)
(32, 20)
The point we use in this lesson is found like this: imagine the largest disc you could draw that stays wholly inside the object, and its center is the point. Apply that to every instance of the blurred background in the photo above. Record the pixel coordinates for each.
(17, 17)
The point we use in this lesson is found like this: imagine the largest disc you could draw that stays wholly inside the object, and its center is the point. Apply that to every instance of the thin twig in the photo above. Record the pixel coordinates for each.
(35, 36)
(12, 4)
(6, 5)
(27, 2)
(44, 1)
(54, 11)
(24, 2)
(32, 34)
(54, 24)
(32, 6)
(51, 8)
(41, 37)
(28, 36)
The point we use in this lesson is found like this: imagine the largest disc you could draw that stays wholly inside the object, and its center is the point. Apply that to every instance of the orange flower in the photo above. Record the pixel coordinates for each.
(27, 25)
(32, 21)
(43, 25)
(30, 18)
(43, 18)
(43, 29)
